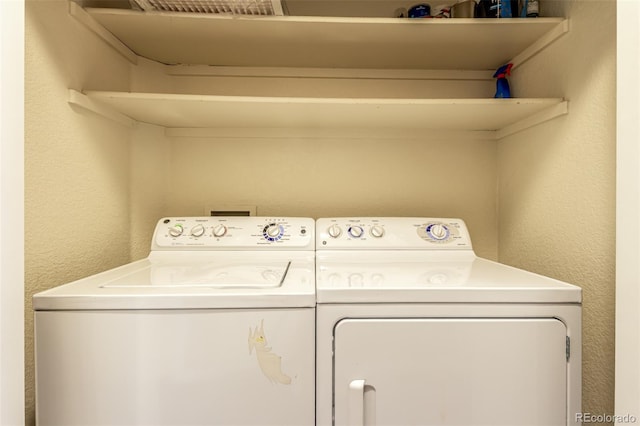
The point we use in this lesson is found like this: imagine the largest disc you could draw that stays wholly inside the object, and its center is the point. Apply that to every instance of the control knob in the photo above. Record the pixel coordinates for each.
(272, 232)
(176, 230)
(377, 231)
(334, 231)
(219, 230)
(438, 231)
(356, 231)
(197, 231)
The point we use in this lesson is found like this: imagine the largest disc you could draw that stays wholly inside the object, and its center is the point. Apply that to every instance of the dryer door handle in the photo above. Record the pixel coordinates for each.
(356, 403)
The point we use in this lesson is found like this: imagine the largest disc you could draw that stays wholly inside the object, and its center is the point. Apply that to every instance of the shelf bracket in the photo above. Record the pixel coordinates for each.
(82, 100)
(561, 29)
(79, 14)
(548, 114)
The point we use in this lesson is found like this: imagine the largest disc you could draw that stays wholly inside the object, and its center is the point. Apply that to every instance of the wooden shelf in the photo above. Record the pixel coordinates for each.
(198, 111)
(329, 43)
(325, 42)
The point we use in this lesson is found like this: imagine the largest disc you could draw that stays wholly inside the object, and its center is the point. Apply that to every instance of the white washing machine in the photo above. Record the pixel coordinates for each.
(215, 327)
(414, 329)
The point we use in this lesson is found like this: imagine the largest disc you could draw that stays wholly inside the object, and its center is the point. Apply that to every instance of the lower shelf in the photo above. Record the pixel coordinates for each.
(505, 116)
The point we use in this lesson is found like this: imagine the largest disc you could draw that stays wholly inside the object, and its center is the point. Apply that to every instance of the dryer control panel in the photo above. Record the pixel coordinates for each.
(234, 233)
(392, 233)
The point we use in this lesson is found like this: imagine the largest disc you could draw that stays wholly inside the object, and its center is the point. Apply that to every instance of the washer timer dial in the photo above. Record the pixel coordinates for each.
(273, 232)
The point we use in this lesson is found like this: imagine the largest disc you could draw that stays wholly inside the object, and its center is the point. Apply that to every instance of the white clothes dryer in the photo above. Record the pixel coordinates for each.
(414, 329)
(215, 327)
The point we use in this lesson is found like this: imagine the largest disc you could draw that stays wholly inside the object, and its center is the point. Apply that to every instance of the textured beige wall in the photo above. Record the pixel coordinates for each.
(557, 183)
(320, 177)
(76, 163)
(150, 165)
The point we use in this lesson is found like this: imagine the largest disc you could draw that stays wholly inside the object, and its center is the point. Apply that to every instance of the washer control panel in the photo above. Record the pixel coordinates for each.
(392, 233)
(233, 232)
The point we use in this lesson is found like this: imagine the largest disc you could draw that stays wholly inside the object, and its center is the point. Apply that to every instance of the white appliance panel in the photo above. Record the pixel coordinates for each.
(386, 276)
(234, 233)
(357, 233)
(213, 274)
(175, 367)
(193, 280)
(215, 327)
(450, 371)
(414, 329)
(328, 315)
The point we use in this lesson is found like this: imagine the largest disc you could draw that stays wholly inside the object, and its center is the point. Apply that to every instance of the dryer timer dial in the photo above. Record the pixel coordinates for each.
(438, 231)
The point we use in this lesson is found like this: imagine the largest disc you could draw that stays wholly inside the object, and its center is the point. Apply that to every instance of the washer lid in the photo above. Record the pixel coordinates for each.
(431, 277)
(190, 280)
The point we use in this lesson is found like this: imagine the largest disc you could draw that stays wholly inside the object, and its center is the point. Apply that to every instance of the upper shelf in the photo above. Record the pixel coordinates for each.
(504, 116)
(329, 42)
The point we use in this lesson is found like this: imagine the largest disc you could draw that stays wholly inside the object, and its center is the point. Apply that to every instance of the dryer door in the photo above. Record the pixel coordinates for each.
(450, 371)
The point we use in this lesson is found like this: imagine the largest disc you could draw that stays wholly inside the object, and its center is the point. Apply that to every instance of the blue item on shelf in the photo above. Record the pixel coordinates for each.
(420, 11)
(495, 9)
(502, 85)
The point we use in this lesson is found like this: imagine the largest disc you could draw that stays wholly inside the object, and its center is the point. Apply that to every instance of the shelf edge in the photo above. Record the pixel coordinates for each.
(82, 100)
(107, 103)
(311, 19)
(326, 73)
(548, 114)
(322, 133)
(79, 14)
(289, 23)
(561, 29)
(313, 100)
